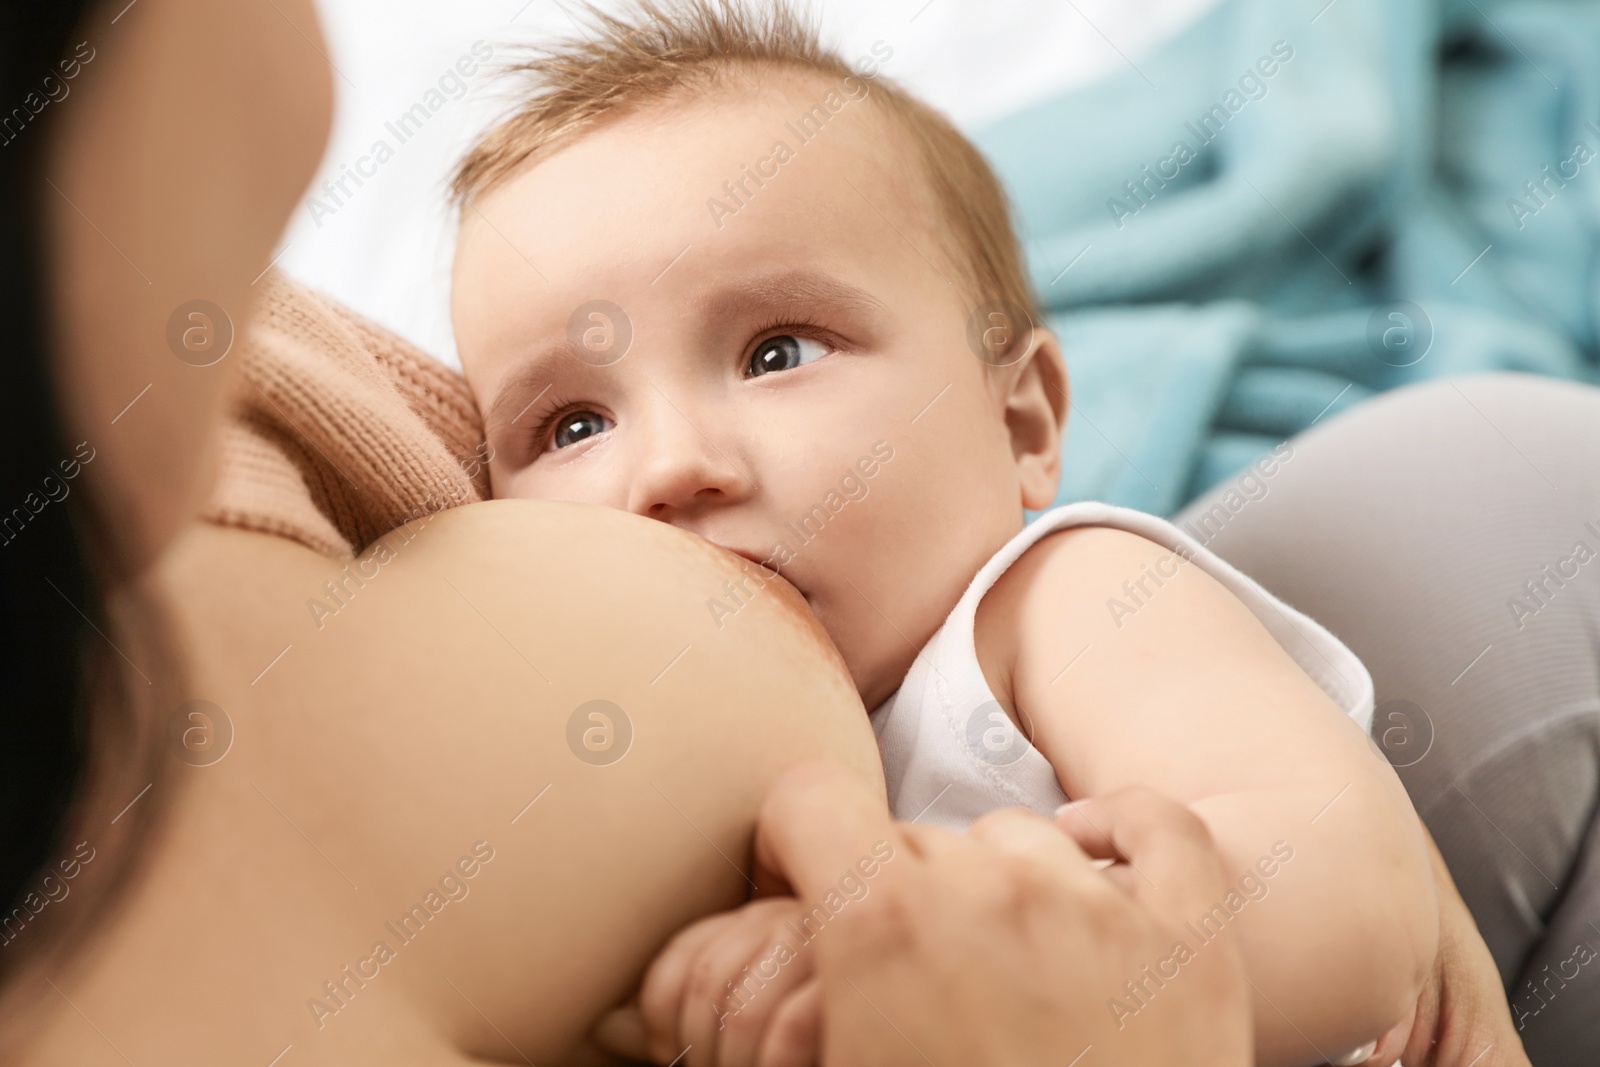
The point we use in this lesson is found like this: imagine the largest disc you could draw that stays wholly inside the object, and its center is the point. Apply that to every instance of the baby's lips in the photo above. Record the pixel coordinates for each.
(765, 580)
(759, 569)
(768, 571)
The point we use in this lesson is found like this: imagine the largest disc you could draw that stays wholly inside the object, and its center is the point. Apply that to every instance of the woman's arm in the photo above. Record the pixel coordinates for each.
(1193, 697)
(191, 130)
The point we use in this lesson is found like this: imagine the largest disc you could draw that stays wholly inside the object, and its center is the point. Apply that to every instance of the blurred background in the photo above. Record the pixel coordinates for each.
(1242, 216)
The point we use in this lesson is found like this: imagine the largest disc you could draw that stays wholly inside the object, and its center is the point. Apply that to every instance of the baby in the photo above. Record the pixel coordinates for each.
(713, 275)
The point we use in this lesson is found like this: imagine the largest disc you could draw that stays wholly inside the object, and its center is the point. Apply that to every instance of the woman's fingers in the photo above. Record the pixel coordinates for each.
(1041, 846)
(818, 824)
(1463, 1008)
(1171, 860)
(1386, 1052)
(995, 946)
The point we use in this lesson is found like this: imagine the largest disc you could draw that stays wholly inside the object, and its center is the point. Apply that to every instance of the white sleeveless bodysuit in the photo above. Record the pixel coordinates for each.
(950, 753)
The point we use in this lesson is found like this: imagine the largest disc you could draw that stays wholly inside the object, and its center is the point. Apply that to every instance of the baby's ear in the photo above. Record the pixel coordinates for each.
(1036, 416)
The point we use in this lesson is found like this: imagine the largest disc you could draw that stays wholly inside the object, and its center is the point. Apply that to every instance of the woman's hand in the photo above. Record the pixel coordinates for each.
(1006, 945)
(1003, 945)
(1462, 1018)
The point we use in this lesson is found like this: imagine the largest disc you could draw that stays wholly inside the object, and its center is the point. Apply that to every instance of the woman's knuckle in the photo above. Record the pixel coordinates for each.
(1024, 882)
(1107, 909)
(886, 918)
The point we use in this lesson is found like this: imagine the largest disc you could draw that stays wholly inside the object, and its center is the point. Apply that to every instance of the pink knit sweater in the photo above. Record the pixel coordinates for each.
(341, 430)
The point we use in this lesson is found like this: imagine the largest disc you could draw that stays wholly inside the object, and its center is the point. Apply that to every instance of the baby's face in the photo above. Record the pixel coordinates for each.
(787, 375)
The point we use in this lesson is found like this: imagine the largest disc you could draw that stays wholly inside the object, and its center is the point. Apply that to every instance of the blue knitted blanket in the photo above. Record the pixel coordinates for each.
(1296, 204)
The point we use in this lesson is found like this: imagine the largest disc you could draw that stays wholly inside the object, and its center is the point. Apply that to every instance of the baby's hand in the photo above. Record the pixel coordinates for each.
(736, 990)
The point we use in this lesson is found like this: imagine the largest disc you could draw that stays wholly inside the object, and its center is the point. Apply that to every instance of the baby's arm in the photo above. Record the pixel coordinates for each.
(1191, 696)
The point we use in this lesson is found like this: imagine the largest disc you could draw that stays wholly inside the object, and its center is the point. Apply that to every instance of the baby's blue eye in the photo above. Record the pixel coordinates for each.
(575, 426)
(784, 352)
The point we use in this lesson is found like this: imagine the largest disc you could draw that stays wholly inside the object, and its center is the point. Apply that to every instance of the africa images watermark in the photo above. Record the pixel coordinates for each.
(1252, 888)
(1252, 86)
(1567, 170)
(1542, 590)
(804, 129)
(852, 889)
(54, 490)
(1567, 970)
(341, 989)
(1250, 488)
(599, 732)
(1157, 573)
(53, 89)
(52, 889)
(450, 85)
(805, 529)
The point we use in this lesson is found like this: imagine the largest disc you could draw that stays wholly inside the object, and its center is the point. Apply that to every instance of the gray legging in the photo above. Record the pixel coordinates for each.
(1449, 533)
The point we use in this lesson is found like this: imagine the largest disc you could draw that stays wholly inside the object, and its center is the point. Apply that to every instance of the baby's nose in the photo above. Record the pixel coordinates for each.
(681, 469)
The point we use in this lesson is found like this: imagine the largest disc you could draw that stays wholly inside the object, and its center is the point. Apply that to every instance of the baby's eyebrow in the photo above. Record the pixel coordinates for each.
(521, 388)
(788, 288)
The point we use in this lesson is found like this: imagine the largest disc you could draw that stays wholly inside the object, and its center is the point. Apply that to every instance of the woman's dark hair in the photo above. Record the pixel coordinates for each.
(49, 580)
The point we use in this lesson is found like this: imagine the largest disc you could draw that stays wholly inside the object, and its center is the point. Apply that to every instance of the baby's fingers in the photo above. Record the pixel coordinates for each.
(764, 987)
(621, 1032)
(734, 985)
(794, 1035)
